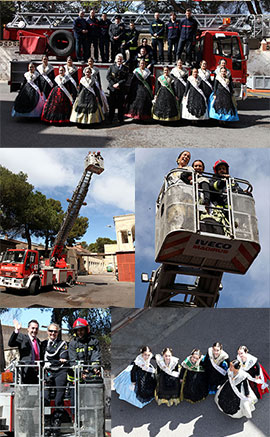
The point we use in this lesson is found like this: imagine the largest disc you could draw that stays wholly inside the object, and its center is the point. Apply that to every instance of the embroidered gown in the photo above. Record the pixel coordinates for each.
(168, 382)
(254, 368)
(46, 79)
(194, 387)
(231, 398)
(180, 81)
(58, 106)
(140, 96)
(30, 101)
(72, 75)
(87, 106)
(194, 103)
(136, 384)
(206, 84)
(165, 107)
(215, 369)
(222, 107)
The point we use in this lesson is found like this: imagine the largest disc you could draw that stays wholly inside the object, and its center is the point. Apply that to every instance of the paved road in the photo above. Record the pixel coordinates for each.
(250, 131)
(182, 329)
(100, 291)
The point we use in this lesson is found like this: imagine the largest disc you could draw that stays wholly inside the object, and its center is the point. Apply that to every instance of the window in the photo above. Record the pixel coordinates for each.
(124, 236)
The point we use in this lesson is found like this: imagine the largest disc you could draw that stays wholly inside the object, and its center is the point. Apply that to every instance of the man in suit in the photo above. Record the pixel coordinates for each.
(29, 349)
(117, 77)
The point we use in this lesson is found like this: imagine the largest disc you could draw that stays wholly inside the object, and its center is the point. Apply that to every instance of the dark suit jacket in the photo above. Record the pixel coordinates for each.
(114, 75)
(23, 342)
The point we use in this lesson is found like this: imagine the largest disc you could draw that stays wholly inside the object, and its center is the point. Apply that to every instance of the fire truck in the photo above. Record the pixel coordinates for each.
(24, 270)
(186, 247)
(220, 36)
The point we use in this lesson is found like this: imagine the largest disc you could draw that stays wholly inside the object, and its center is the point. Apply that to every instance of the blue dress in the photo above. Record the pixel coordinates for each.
(135, 385)
(222, 107)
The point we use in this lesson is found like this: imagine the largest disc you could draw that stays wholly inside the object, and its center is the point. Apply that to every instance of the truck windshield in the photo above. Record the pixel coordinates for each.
(13, 256)
(227, 46)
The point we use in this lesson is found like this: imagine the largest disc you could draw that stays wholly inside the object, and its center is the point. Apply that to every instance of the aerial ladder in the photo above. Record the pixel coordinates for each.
(25, 270)
(188, 244)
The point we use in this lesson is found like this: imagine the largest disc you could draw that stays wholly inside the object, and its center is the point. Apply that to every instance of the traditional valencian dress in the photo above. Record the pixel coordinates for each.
(180, 82)
(96, 75)
(206, 84)
(136, 384)
(87, 108)
(194, 387)
(222, 107)
(254, 368)
(165, 107)
(58, 106)
(72, 75)
(232, 397)
(30, 101)
(194, 105)
(216, 369)
(140, 96)
(46, 79)
(168, 381)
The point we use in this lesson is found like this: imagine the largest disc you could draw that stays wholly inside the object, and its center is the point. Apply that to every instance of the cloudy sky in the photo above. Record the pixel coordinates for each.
(250, 290)
(56, 172)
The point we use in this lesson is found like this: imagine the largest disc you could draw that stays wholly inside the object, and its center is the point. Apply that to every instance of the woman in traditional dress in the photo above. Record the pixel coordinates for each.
(250, 364)
(205, 75)
(216, 363)
(95, 74)
(168, 382)
(235, 397)
(193, 379)
(221, 104)
(58, 106)
(47, 76)
(87, 106)
(165, 106)
(194, 103)
(222, 63)
(180, 75)
(182, 161)
(30, 101)
(140, 96)
(136, 384)
(71, 72)
(95, 70)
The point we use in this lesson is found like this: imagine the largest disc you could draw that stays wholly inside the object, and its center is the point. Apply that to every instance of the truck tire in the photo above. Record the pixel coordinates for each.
(70, 282)
(34, 287)
(61, 42)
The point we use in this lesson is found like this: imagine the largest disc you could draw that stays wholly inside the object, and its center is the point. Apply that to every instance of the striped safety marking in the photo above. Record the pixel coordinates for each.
(174, 246)
(247, 252)
(59, 289)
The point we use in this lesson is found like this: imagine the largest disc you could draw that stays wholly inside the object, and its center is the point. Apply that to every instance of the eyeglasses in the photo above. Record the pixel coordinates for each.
(52, 330)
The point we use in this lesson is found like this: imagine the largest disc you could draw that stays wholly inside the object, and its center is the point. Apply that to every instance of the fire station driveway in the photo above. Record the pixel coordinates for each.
(100, 291)
(183, 329)
(250, 131)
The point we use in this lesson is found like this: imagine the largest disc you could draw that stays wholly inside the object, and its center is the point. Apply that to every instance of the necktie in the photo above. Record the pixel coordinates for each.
(36, 350)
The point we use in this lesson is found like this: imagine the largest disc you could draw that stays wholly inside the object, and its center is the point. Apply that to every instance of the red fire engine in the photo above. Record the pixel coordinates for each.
(24, 270)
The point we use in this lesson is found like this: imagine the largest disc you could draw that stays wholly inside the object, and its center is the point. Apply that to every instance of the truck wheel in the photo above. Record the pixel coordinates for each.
(34, 286)
(61, 42)
(70, 282)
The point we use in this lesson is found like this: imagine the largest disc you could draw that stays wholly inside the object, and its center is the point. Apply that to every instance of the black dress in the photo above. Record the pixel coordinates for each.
(140, 96)
(168, 382)
(194, 387)
(29, 102)
(145, 383)
(87, 108)
(255, 369)
(215, 377)
(46, 79)
(165, 107)
(207, 88)
(180, 82)
(194, 104)
(58, 106)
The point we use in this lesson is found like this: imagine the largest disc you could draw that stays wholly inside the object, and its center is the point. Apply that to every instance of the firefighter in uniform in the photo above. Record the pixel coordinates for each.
(104, 37)
(93, 33)
(80, 30)
(130, 43)
(84, 348)
(116, 32)
(147, 57)
(157, 30)
(173, 37)
(55, 355)
(117, 77)
(188, 30)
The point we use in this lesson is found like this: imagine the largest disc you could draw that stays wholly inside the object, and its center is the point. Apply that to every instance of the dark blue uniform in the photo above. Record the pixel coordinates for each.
(81, 38)
(188, 29)
(173, 32)
(158, 27)
(93, 35)
(119, 31)
(104, 39)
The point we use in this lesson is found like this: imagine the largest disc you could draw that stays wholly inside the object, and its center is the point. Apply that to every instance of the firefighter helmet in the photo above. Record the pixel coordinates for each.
(80, 323)
(219, 162)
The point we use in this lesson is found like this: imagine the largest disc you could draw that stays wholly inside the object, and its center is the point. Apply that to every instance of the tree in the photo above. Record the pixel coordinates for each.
(2, 355)
(78, 230)
(8, 10)
(98, 246)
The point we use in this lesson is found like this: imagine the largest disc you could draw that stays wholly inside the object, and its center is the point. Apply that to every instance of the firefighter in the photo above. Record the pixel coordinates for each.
(147, 57)
(116, 32)
(80, 30)
(173, 36)
(188, 30)
(130, 43)
(104, 37)
(83, 348)
(157, 30)
(93, 33)
(29, 350)
(55, 355)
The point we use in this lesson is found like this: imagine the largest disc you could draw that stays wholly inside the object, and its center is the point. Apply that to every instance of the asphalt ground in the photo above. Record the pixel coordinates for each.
(183, 329)
(100, 291)
(250, 131)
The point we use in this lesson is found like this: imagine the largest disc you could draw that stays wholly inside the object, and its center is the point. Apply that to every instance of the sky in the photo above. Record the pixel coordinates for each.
(26, 314)
(56, 173)
(249, 290)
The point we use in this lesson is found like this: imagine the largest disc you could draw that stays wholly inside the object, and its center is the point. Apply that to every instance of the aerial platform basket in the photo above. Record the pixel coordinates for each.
(179, 237)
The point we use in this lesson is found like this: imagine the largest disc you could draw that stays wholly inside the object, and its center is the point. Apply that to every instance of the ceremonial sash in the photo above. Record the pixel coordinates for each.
(195, 85)
(204, 78)
(164, 82)
(175, 72)
(223, 83)
(221, 358)
(139, 76)
(63, 88)
(68, 76)
(168, 369)
(45, 74)
(31, 81)
(87, 85)
(187, 364)
(144, 365)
